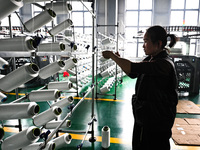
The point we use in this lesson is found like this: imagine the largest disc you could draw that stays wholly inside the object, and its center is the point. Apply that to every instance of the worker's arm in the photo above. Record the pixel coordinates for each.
(123, 63)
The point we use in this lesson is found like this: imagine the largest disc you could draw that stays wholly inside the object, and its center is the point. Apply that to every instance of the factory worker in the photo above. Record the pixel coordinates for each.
(155, 99)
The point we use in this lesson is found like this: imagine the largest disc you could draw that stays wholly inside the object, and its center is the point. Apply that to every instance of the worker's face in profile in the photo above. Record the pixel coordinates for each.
(149, 47)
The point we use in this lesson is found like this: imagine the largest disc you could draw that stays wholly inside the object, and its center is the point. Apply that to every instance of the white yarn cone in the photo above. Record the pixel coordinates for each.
(21, 139)
(64, 102)
(62, 140)
(18, 77)
(54, 124)
(44, 95)
(18, 44)
(41, 19)
(9, 6)
(60, 85)
(46, 116)
(18, 110)
(51, 47)
(51, 69)
(60, 7)
(60, 27)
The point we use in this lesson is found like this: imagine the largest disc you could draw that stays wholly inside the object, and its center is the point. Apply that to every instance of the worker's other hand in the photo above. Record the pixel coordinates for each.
(107, 54)
(117, 53)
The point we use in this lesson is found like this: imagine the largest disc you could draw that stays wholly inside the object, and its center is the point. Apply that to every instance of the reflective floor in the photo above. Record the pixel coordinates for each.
(117, 114)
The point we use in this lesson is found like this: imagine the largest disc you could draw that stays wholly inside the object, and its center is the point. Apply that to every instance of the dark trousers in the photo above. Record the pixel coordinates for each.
(146, 139)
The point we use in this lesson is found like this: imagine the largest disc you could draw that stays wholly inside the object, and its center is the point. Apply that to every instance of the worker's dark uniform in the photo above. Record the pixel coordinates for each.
(154, 102)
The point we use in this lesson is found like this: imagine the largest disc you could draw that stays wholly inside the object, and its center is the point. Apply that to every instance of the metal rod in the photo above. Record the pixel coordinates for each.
(117, 49)
(106, 25)
(19, 99)
(94, 16)
(72, 131)
(67, 116)
(106, 36)
(92, 138)
(86, 133)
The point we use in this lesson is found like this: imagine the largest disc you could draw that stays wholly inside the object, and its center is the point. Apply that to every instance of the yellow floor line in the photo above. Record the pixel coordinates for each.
(101, 99)
(21, 94)
(13, 130)
(99, 139)
(76, 136)
(112, 140)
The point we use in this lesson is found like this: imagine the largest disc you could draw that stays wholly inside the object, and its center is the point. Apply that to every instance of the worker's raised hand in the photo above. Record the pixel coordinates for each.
(117, 53)
(107, 54)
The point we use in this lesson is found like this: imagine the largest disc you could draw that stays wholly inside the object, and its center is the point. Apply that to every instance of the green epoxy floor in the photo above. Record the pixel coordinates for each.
(115, 114)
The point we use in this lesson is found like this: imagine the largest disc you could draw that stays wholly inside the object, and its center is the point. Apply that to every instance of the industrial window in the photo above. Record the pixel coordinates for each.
(82, 19)
(14, 20)
(185, 13)
(138, 18)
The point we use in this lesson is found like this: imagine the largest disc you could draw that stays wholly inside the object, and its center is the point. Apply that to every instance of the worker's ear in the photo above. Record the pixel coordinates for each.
(159, 44)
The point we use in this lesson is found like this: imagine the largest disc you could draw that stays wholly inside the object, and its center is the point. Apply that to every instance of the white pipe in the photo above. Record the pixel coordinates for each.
(18, 110)
(51, 69)
(60, 7)
(18, 77)
(60, 27)
(21, 139)
(3, 64)
(36, 146)
(24, 43)
(62, 140)
(3, 97)
(51, 47)
(60, 85)
(44, 95)
(9, 6)
(64, 102)
(54, 124)
(41, 19)
(46, 116)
